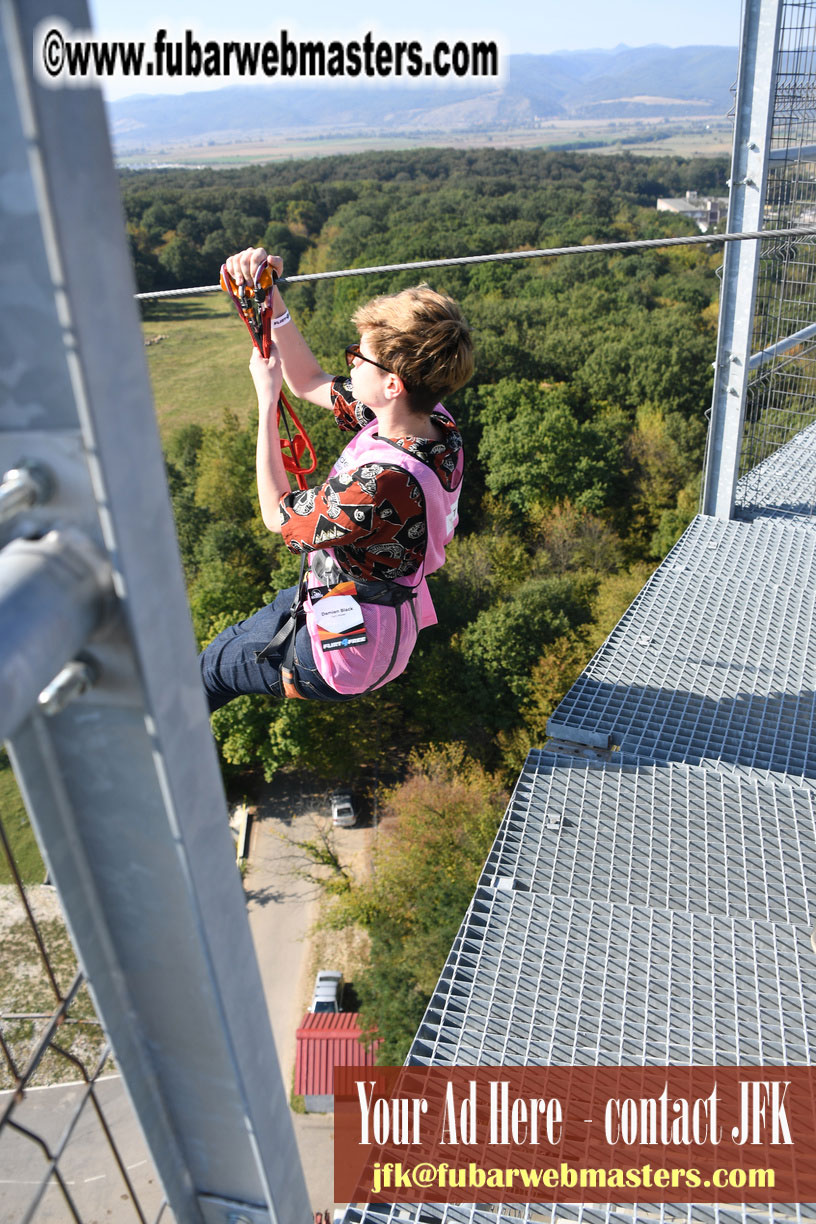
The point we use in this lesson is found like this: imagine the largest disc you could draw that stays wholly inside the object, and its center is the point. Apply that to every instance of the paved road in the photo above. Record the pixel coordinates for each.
(282, 908)
(92, 1177)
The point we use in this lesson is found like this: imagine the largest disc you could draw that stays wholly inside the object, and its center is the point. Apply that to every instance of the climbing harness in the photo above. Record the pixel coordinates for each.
(375, 591)
(254, 305)
(370, 591)
(285, 637)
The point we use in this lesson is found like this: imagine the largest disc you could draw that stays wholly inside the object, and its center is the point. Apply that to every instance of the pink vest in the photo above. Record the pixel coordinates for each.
(357, 668)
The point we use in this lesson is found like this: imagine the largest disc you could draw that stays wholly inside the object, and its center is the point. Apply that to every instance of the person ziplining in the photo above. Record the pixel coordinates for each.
(378, 526)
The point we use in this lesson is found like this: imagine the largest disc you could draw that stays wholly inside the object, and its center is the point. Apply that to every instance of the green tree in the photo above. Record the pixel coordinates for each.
(536, 451)
(562, 662)
(182, 263)
(570, 539)
(437, 828)
(663, 357)
(666, 453)
(279, 239)
(505, 641)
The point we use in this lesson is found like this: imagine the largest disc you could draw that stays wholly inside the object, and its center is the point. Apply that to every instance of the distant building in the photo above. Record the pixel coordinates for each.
(326, 1040)
(704, 210)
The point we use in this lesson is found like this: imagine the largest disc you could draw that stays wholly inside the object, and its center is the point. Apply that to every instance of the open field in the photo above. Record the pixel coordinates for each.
(697, 136)
(197, 356)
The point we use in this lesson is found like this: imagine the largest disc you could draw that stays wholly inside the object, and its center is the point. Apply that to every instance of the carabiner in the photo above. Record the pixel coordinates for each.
(251, 303)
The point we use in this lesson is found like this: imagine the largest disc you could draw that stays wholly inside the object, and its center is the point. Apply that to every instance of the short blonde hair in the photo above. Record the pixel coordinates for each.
(423, 337)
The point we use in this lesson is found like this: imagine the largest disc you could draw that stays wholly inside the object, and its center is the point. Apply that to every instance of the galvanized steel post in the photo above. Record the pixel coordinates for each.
(752, 134)
(121, 780)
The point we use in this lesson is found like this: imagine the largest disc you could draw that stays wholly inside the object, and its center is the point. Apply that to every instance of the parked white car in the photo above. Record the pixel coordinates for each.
(328, 991)
(343, 814)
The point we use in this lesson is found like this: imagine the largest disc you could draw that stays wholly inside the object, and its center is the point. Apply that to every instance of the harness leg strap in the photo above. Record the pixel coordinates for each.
(286, 637)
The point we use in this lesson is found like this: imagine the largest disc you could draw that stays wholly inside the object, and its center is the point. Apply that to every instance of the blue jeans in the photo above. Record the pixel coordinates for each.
(229, 668)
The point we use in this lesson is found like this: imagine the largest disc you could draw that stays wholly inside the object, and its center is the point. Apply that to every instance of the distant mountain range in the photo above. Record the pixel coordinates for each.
(629, 82)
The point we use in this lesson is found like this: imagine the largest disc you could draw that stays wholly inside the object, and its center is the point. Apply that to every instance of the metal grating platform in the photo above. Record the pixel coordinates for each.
(715, 661)
(647, 1213)
(533, 979)
(671, 837)
(783, 485)
(566, 981)
(533, 1213)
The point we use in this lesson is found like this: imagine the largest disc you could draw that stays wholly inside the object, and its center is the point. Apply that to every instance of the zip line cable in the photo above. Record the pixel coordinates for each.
(548, 253)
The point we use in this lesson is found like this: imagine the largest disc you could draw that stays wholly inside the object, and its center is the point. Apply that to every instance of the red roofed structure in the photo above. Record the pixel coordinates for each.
(326, 1040)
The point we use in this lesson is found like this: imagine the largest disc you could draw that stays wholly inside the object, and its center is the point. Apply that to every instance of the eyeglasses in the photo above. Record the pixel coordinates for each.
(353, 350)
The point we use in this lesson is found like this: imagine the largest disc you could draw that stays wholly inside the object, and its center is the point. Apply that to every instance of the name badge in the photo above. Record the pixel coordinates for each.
(338, 615)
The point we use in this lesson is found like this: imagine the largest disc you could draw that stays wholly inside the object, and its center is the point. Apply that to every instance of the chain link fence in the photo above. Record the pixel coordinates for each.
(70, 1145)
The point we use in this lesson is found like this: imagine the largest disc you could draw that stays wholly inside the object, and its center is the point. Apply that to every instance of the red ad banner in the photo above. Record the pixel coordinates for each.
(575, 1134)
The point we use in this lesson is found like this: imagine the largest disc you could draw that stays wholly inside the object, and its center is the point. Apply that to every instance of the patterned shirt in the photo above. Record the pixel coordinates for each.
(374, 516)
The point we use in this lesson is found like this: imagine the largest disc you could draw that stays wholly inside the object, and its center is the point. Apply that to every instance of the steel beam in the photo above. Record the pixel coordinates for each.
(752, 136)
(123, 784)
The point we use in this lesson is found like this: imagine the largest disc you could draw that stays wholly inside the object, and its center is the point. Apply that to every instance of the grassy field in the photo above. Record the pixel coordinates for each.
(197, 360)
(18, 831)
(685, 136)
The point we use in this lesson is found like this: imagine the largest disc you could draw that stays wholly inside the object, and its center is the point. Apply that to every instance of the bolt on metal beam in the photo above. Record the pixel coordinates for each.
(22, 487)
(74, 680)
(54, 593)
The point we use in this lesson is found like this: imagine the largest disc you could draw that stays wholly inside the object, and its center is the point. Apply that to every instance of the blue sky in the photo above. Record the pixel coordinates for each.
(538, 26)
